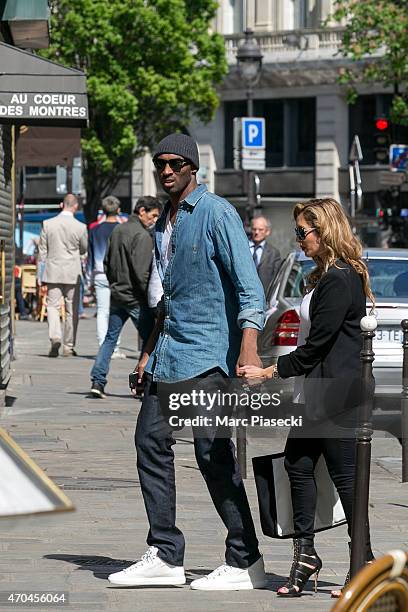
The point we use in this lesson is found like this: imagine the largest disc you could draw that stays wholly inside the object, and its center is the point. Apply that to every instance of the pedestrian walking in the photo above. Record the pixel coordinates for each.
(127, 266)
(266, 257)
(63, 240)
(18, 293)
(98, 240)
(209, 318)
(327, 368)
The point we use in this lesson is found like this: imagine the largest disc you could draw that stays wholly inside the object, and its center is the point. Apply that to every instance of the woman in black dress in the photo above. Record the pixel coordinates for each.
(329, 370)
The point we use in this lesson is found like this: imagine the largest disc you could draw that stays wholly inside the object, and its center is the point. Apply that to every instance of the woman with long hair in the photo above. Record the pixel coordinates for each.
(327, 367)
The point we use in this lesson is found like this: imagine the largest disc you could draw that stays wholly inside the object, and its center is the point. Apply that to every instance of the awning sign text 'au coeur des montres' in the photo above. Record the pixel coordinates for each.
(43, 106)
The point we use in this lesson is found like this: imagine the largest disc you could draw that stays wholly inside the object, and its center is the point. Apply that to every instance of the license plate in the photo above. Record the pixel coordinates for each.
(388, 336)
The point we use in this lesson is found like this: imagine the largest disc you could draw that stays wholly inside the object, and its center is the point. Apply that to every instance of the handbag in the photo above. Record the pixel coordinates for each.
(275, 500)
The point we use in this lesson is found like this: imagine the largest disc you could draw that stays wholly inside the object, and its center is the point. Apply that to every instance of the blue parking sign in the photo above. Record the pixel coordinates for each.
(399, 157)
(253, 133)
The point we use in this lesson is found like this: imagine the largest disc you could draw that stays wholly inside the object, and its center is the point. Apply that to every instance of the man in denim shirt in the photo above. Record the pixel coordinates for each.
(210, 315)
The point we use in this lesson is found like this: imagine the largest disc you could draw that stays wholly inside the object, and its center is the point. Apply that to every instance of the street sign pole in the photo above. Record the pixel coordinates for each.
(249, 155)
(356, 192)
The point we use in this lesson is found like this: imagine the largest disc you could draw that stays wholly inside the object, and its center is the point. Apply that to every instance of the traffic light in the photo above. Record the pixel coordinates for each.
(382, 140)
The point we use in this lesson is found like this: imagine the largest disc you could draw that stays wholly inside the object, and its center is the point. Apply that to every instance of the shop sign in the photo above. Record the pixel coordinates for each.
(37, 106)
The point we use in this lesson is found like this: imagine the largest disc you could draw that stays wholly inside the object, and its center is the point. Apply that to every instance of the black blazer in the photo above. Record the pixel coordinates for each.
(330, 358)
(269, 265)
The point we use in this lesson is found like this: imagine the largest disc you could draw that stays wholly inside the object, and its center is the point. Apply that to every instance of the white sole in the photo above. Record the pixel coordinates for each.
(238, 586)
(97, 394)
(151, 582)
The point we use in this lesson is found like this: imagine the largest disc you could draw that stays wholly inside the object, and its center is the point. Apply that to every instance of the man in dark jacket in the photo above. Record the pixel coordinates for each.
(266, 257)
(127, 266)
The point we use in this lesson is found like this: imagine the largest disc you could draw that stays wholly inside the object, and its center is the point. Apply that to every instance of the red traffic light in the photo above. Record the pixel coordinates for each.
(382, 124)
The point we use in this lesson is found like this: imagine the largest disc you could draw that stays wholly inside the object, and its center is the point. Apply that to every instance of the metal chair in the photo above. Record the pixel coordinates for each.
(379, 587)
(28, 275)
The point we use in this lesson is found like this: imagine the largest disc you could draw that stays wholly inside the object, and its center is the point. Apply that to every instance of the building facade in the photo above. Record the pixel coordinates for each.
(309, 125)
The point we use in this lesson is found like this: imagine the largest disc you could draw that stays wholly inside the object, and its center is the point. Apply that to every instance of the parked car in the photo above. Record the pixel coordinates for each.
(388, 269)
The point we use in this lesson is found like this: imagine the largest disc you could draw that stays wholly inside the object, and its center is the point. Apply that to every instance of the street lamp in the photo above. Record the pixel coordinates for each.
(249, 60)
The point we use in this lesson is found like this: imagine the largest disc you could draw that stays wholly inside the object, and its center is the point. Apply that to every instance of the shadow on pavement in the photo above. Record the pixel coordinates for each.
(70, 357)
(103, 566)
(93, 564)
(87, 395)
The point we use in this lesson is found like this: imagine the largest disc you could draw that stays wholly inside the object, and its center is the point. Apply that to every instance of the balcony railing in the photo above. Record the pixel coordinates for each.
(273, 43)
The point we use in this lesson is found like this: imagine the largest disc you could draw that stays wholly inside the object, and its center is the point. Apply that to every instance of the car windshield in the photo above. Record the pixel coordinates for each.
(389, 277)
(296, 282)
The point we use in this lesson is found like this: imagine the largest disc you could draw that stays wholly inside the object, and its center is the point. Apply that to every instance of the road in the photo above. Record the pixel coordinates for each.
(86, 446)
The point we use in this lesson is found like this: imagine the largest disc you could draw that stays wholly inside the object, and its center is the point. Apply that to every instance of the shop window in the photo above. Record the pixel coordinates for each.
(301, 129)
(273, 111)
(290, 130)
(34, 170)
(231, 110)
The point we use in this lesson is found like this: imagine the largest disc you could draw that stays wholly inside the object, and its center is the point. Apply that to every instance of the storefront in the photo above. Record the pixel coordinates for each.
(33, 92)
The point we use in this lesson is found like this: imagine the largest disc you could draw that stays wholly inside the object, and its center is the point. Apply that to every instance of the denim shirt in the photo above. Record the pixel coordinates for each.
(211, 290)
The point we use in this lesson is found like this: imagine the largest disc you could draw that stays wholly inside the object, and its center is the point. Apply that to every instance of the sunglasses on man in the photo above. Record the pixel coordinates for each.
(301, 232)
(175, 164)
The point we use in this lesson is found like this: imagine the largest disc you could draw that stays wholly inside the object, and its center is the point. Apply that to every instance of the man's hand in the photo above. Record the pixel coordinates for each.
(249, 353)
(251, 372)
(42, 289)
(139, 370)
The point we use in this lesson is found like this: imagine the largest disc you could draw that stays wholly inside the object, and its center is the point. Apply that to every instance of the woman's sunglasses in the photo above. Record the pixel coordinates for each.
(301, 232)
(175, 164)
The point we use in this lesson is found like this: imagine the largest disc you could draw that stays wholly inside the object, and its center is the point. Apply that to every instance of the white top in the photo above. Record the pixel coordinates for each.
(154, 288)
(166, 244)
(298, 393)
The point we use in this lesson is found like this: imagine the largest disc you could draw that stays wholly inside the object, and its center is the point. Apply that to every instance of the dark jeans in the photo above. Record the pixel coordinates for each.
(216, 460)
(301, 456)
(141, 318)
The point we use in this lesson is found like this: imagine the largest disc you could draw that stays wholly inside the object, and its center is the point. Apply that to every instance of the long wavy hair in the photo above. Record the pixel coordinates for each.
(327, 216)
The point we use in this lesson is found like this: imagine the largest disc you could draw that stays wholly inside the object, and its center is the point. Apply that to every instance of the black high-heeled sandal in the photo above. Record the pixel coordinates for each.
(336, 593)
(339, 592)
(305, 563)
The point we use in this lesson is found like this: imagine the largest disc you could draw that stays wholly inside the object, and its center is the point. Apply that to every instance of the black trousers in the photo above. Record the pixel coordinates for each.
(301, 456)
(216, 460)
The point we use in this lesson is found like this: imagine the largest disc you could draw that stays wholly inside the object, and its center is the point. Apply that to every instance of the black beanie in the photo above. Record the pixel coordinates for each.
(179, 144)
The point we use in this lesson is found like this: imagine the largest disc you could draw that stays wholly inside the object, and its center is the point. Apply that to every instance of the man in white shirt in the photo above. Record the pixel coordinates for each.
(62, 242)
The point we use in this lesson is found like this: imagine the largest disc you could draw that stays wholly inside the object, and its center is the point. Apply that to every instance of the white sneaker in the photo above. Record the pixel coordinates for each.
(150, 570)
(228, 578)
(118, 355)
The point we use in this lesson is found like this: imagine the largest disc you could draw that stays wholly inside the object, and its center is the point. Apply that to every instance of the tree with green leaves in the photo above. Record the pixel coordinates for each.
(151, 66)
(376, 38)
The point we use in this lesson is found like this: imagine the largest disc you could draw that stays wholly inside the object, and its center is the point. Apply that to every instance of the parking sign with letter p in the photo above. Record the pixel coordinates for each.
(253, 133)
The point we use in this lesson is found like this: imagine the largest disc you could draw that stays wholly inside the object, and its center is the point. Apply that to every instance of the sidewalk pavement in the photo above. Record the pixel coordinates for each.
(86, 446)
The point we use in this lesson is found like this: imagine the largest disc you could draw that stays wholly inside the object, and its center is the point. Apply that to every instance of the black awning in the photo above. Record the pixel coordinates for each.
(35, 91)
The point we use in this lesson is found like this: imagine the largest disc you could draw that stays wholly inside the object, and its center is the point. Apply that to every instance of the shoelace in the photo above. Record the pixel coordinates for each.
(147, 558)
(222, 569)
